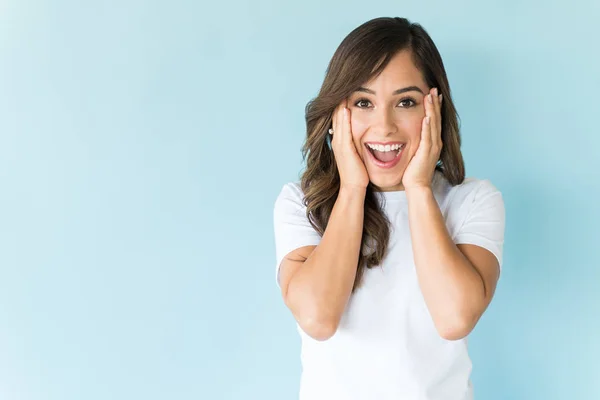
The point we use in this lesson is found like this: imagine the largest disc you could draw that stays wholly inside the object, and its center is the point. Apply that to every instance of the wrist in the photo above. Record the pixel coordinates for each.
(352, 191)
(418, 191)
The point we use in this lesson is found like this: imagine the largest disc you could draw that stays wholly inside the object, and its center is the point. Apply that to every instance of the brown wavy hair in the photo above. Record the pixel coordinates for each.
(361, 56)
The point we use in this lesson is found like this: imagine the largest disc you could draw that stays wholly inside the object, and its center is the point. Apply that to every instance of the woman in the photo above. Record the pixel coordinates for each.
(386, 255)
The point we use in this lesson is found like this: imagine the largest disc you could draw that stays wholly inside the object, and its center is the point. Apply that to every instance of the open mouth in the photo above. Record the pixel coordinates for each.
(385, 156)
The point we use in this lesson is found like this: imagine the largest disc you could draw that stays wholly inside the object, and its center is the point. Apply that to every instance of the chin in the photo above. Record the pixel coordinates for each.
(387, 183)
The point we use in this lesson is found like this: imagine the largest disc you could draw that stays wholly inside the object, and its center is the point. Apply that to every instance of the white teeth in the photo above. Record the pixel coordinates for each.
(387, 147)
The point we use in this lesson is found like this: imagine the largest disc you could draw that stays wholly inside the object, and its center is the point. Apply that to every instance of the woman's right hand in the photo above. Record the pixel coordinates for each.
(352, 170)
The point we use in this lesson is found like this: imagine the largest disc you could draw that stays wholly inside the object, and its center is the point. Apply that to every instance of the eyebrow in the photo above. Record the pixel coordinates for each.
(399, 91)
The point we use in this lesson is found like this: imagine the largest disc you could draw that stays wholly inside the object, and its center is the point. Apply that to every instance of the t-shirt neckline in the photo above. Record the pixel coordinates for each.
(400, 195)
(396, 195)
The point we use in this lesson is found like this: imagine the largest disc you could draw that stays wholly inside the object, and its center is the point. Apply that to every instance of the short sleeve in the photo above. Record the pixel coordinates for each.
(484, 220)
(291, 225)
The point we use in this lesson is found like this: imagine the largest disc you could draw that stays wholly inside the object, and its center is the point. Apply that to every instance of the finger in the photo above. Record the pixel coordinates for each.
(346, 128)
(341, 129)
(337, 135)
(438, 107)
(437, 132)
(337, 128)
(428, 120)
(426, 132)
(348, 124)
(335, 117)
(434, 123)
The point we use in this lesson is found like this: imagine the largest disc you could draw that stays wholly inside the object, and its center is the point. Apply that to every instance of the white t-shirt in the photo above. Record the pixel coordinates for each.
(386, 345)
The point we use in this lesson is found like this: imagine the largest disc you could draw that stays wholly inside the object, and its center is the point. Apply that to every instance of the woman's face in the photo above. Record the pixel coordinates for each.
(379, 115)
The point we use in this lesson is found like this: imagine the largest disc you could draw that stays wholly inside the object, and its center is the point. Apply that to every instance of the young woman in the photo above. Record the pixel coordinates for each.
(386, 255)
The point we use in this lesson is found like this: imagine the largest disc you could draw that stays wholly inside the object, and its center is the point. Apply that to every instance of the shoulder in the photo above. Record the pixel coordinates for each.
(290, 191)
(290, 197)
(473, 198)
(448, 195)
(472, 189)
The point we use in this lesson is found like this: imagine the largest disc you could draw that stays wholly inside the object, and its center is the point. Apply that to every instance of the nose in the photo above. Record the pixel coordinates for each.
(385, 122)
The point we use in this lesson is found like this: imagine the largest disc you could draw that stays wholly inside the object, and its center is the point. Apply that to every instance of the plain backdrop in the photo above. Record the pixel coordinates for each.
(143, 144)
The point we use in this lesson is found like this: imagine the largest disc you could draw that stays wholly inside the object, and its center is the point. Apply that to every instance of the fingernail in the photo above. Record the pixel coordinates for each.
(441, 98)
(435, 92)
(430, 99)
(427, 120)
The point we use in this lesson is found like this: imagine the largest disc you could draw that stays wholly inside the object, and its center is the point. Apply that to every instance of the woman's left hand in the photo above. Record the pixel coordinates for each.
(420, 169)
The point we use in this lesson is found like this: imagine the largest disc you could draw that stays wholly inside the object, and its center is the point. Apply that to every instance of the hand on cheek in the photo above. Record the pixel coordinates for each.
(421, 167)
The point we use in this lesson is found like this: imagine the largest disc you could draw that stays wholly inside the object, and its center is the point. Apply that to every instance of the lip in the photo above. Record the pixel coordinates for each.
(385, 165)
(385, 143)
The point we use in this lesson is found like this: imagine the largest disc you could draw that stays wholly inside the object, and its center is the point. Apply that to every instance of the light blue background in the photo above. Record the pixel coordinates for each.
(143, 143)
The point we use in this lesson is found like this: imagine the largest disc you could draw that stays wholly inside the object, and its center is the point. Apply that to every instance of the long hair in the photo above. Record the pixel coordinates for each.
(362, 55)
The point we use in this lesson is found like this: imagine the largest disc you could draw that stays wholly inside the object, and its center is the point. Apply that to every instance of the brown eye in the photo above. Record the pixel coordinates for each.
(361, 101)
(407, 103)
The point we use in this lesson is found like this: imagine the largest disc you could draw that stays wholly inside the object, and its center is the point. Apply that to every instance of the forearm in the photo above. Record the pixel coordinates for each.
(325, 280)
(451, 286)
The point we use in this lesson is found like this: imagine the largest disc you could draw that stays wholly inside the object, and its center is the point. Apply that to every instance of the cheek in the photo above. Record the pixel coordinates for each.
(359, 126)
(412, 126)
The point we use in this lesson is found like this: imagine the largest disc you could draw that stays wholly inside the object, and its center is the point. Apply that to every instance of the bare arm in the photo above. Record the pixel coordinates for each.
(316, 281)
(458, 282)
